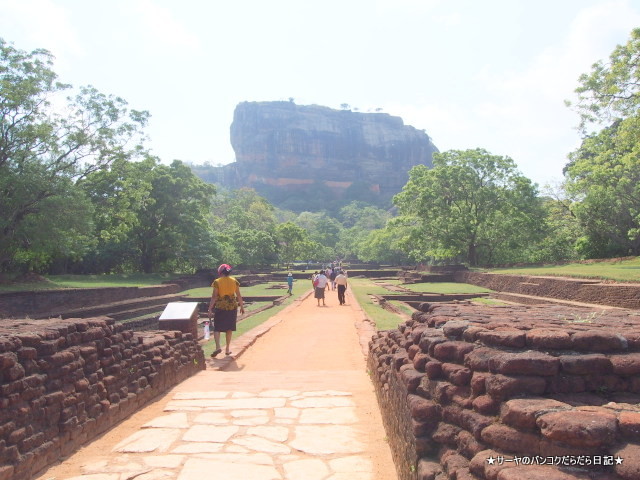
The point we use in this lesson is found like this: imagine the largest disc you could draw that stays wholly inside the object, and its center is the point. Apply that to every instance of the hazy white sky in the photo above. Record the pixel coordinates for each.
(492, 74)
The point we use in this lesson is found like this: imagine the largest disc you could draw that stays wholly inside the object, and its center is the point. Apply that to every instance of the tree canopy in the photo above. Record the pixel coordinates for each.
(604, 173)
(470, 205)
(46, 147)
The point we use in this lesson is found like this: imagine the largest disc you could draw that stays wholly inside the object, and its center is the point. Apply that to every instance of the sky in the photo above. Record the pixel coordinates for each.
(490, 74)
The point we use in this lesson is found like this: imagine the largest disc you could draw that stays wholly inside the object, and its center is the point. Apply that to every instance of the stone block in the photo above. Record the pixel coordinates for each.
(579, 428)
(478, 359)
(522, 413)
(410, 377)
(598, 341)
(585, 364)
(510, 338)
(422, 409)
(433, 369)
(446, 434)
(626, 364)
(420, 360)
(452, 351)
(428, 470)
(509, 439)
(486, 405)
(525, 363)
(629, 424)
(629, 469)
(551, 339)
(503, 387)
(457, 374)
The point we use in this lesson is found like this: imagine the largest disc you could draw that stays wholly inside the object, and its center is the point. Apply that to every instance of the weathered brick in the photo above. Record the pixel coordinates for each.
(511, 338)
(598, 341)
(522, 413)
(585, 364)
(505, 386)
(524, 363)
(509, 439)
(578, 428)
(544, 338)
(452, 351)
(626, 364)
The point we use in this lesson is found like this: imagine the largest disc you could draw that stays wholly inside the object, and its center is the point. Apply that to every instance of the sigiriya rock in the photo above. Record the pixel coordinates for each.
(285, 151)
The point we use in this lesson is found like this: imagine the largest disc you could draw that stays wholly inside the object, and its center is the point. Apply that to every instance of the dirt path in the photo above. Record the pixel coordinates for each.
(296, 403)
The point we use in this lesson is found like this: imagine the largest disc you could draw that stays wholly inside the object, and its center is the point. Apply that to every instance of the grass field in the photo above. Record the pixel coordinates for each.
(260, 290)
(622, 271)
(91, 281)
(384, 319)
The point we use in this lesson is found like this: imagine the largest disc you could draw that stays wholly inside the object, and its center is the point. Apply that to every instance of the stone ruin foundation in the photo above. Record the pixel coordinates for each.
(472, 392)
(63, 382)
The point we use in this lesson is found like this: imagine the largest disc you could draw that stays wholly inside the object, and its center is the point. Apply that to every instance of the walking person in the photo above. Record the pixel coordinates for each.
(290, 283)
(332, 278)
(225, 300)
(320, 284)
(341, 282)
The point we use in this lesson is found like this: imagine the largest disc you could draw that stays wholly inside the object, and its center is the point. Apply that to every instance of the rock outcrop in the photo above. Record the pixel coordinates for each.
(282, 148)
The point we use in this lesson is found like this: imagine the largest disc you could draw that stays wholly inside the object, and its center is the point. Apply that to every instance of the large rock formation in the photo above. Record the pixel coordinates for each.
(282, 148)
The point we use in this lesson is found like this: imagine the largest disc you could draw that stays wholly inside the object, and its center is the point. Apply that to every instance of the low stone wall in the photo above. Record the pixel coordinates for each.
(63, 382)
(575, 290)
(472, 392)
(45, 303)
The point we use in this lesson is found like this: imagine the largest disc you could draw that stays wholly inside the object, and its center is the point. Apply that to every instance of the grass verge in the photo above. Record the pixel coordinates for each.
(91, 281)
(384, 319)
(618, 270)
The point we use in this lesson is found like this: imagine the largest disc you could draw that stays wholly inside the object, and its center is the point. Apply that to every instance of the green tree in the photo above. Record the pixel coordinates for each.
(321, 227)
(604, 173)
(246, 224)
(44, 150)
(612, 89)
(152, 217)
(294, 242)
(470, 204)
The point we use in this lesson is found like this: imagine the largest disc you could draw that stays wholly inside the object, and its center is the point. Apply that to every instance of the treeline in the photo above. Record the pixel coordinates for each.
(80, 193)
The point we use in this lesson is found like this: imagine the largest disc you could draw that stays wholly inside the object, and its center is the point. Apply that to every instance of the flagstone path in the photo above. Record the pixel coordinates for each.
(293, 402)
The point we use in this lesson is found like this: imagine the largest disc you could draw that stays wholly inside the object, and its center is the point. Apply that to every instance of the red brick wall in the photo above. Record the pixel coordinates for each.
(63, 382)
(464, 383)
(49, 302)
(576, 290)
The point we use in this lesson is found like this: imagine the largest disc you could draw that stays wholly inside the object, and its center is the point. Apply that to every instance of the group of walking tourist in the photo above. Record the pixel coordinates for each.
(333, 278)
(226, 299)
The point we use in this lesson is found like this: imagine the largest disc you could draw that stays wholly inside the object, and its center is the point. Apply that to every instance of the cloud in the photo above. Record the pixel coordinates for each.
(160, 26)
(44, 23)
(521, 113)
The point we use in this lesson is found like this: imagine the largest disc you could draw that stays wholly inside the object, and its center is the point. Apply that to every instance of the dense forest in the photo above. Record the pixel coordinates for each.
(81, 193)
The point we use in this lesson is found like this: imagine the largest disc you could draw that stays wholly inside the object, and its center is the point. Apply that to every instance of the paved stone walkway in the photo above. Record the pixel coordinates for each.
(294, 402)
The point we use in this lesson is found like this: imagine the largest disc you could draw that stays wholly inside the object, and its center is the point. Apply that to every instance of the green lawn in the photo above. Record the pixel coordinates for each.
(91, 281)
(622, 271)
(384, 319)
(260, 290)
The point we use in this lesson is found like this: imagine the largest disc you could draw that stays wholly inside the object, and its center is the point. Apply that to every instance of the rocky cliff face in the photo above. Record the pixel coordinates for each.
(282, 147)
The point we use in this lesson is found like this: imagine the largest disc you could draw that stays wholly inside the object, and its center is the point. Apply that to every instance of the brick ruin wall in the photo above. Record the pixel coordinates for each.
(63, 382)
(559, 388)
(575, 290)
(45, 303)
